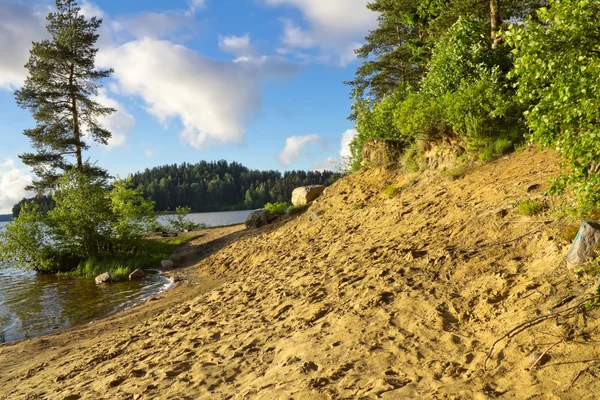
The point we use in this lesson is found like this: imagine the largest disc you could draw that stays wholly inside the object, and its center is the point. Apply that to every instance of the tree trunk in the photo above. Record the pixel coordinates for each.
(76, 132)
(496, 21)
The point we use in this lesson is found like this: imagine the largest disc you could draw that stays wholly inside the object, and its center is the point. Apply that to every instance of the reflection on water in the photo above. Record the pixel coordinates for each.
(32, 305)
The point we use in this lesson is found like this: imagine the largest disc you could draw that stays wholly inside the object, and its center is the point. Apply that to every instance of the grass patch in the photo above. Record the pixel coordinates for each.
(487, 154)
(530, 208)
(276, 209)
(503, 146)
(456, 172)
(357, 206)
(391, 191)
(149, 253)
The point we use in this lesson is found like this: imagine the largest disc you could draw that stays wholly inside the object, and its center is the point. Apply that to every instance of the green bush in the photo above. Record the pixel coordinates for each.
(391, 191)
(179, 222)
(456, 172)
(420, 117)
(276, 209)
(503, 146)
(529, 208)
(89, 221)
(557, 72)
(486, 154)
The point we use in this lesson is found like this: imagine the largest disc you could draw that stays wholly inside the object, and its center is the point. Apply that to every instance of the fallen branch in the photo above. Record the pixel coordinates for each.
(544, 354)
(581, 372)
(534, 321)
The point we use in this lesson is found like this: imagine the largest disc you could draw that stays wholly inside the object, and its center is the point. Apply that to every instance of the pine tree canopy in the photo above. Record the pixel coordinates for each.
(59, 92)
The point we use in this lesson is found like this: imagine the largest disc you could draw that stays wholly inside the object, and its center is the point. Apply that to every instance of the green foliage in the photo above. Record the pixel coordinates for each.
(420, 116)
(222, 186)
(44, 202)
(529, 208)
(179, 222)
(503, 145)
(88, 222)
(486, 154)
(59, 92)
(276, 209)
(24, 243)
(557, 68)
(391, 191)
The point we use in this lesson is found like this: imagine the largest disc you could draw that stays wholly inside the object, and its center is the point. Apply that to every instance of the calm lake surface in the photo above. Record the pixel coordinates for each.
(33, 305)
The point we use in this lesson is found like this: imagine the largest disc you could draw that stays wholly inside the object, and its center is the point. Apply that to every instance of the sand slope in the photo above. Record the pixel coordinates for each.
(376, 297)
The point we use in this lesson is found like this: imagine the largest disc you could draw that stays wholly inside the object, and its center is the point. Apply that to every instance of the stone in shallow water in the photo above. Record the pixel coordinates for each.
(104, 278)
(138, 273)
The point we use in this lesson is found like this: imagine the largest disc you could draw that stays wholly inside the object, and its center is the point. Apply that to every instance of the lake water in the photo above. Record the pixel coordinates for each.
(33, 305)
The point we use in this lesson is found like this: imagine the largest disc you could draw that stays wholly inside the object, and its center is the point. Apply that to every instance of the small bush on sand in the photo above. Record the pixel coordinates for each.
(391, 191)
(276, 209)
(529, 208)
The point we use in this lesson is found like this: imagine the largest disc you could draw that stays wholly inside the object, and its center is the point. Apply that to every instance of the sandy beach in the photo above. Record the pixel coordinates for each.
(362, 296)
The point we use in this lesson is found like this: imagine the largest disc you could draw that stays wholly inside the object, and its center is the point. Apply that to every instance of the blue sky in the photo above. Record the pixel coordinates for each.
(253, 81)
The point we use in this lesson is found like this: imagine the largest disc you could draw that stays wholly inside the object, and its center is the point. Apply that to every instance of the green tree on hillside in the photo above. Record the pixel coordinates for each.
(557, 64)
(59, 93)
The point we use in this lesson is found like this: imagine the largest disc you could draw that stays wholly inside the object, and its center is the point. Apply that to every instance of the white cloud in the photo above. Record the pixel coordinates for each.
(149, 153)
(236, 45)
(155, 25)
(196, 5)
(20, 24)
(338, 163)
(295, 145)
(212, 99)
(334, 26)
(12, 185)
(118, 123)
(345, 142)
(294, 37)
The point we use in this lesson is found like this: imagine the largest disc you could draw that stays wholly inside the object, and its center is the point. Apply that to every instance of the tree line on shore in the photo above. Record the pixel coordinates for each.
(210, 186)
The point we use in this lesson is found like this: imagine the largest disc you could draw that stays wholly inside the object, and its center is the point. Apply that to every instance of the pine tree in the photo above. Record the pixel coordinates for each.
(58, 92)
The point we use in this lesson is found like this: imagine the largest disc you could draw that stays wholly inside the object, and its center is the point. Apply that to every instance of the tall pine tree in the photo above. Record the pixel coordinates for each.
(58, 91)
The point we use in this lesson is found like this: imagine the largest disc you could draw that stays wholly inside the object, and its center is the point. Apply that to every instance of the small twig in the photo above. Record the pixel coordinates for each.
(581, 372)
(532, 322)
(543, 354)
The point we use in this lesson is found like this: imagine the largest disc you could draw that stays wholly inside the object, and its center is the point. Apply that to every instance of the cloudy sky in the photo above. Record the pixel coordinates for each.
(253, 81)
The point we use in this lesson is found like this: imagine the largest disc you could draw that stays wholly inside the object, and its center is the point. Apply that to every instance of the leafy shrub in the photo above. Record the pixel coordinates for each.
(180, 223)
(503, 146)
(557, 76)
(276, 209)
(89, 221)
(486, 154)
(391, 191)
(529, 208)
(420, 116)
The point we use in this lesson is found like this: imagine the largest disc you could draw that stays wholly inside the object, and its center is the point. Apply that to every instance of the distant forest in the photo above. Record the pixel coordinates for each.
(222, 186)
(213, 186)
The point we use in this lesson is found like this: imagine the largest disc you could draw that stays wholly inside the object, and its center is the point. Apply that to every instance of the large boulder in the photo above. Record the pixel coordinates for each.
(104, 278)
(584, 247)
(305, 194)
(167, 264)
(257, 218)
(137, 274)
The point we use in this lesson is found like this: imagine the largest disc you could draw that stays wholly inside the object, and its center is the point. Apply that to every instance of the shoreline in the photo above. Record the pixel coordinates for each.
(189, 285)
